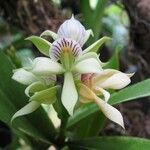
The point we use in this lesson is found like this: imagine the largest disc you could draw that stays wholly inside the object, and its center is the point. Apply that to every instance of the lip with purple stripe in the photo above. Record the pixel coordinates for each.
(65, 50)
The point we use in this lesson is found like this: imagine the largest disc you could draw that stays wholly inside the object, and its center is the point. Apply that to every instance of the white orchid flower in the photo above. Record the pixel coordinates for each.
(67, 57)
(94, 85)
(39, 89)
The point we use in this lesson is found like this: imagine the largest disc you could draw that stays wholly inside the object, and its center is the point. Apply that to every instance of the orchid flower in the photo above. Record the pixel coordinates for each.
(40, 90)
(66, 57)
(95, 85)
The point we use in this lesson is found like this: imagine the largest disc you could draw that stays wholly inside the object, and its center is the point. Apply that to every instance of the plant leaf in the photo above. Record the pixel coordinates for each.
(42, 45)
(113, 142)
(12, 98)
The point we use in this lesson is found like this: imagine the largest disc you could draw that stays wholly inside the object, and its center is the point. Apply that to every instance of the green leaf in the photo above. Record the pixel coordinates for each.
(91, 125)
(47, 96)
(132, 92)
(113, 142)
(12, 98)
(42, 45)
(95, 46)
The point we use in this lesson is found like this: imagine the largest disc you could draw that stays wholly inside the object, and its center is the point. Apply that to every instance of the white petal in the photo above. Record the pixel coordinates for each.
(27, 109)
(23, 76)
(72, 29)
(89, 55)
(110, 112)
(90, 65)
(104, 92)
(87, 35)
(45, 66)
(86, 94)
(69, 95)
(50, 33)
(116, 81)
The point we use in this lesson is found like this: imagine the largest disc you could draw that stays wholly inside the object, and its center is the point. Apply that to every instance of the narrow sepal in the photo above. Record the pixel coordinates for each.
(34, 87)
(47, 96)
(95, 46)
(23, 76)
(27, 109)
(69, 95)
(110, 112)
(90, 65)
(42, 45)
(50, 33)
(45, 66)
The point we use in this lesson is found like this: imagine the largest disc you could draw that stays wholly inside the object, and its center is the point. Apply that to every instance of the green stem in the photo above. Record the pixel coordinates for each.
(62, 131)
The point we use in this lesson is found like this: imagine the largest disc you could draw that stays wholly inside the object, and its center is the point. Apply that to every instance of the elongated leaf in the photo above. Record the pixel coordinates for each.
(42, 45)
(114, 143)
(12, 98)
(135, 91)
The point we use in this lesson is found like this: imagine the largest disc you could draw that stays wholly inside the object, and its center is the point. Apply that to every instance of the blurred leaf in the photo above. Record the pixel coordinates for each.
(113, 63)
(12, 98)
(114, 143)
(91, 125)
(25, 55)
(97, 18)
(132, 92)
(42, 45)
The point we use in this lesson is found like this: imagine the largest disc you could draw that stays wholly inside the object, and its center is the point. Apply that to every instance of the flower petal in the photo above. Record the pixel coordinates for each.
(27, 109)
(23, 76)
(69, 95)
(47, 96)
(95, 46)
(34, 87)
(86, 94)
(72, 29)
(111, 79)
(50, 33)
(116, 81)
(87, 35)
(90, 65)
(45, 66)
(110, 112)
(89, 55)
(104, 92)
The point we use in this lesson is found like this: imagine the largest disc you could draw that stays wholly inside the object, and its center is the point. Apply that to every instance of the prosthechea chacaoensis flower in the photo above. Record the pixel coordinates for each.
(65, 57)
(95, 85)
